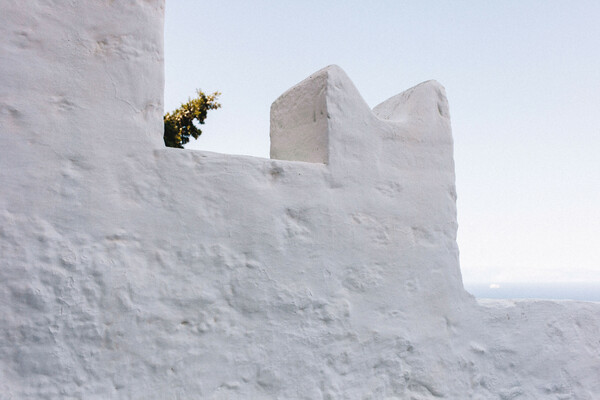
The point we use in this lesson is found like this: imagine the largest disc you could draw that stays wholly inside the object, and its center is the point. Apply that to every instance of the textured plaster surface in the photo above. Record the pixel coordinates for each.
(137, 272)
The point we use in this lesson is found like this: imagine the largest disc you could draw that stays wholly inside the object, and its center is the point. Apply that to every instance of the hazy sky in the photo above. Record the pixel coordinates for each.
(523, 82)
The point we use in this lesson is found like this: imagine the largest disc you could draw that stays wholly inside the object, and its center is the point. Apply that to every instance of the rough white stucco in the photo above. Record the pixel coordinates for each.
(133, 271)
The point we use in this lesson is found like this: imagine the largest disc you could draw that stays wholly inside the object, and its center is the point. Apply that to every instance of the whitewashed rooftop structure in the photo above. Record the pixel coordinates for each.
(331, 271)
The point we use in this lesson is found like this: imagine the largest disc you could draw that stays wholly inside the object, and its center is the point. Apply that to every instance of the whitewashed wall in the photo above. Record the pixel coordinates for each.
(331, 271)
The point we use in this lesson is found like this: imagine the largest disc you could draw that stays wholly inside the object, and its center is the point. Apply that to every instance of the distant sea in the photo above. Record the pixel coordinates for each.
(547, 291)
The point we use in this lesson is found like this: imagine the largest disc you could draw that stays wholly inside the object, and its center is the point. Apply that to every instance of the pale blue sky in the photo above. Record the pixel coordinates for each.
(522, 78)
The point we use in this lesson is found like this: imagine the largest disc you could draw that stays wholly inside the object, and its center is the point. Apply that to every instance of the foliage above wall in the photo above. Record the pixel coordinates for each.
(182, 123)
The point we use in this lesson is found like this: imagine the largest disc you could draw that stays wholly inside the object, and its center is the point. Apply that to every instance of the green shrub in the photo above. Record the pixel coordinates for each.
(182, 123)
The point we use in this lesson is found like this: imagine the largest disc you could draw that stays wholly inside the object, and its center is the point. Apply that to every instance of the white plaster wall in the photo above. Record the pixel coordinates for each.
(133, 271)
